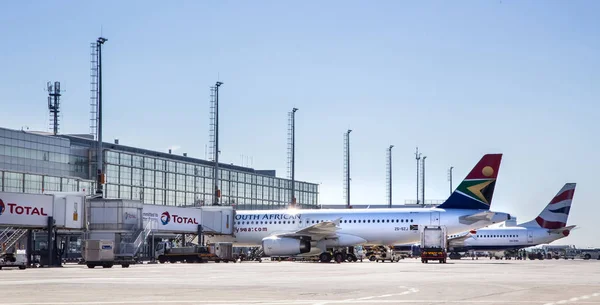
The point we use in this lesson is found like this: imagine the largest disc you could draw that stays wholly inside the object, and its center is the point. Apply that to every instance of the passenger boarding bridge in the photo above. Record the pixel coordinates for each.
(130, 224)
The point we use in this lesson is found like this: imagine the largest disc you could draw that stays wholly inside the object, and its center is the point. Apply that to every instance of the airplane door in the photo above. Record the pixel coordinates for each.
(530, 237)
(435, 218)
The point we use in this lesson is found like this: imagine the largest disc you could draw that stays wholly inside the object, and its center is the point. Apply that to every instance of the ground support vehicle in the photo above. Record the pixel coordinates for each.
(219, 252)
(98, 253)
(434, 244)
(588, 254)
(12, 260)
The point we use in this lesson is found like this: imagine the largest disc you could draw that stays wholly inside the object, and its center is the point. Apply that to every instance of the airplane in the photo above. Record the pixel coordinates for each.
(297, 232)
(548, 226)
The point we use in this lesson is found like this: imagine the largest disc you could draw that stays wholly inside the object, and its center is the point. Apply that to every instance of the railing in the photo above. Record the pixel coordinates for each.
(150, 226)
(131, 246)
(13, 238)
(4, 233)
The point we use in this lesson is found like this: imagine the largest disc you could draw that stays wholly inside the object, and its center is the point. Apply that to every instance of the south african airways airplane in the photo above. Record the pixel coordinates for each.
(290, 232)
(548, 226)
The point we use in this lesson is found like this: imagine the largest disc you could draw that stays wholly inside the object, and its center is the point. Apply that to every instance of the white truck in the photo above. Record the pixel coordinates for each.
(434, 244)
(18, 259)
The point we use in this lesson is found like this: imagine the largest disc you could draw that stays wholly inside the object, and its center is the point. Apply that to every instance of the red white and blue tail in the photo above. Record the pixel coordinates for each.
(556, 213)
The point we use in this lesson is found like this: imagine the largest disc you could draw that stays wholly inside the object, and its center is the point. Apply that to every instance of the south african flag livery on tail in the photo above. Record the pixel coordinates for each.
(477, 189)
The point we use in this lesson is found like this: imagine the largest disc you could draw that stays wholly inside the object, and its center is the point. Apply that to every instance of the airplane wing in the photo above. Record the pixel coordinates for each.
(471, 219)
(459, 239)
(317, 231)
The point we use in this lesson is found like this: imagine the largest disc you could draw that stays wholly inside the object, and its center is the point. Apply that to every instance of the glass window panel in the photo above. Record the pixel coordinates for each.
(148, 163)
(170, 198)
(33, 183)
(180, 199)
(180, 182)
(199, 185)
(208, 186)
(125, 159)
(189, 184)
(148, 178)
(111, 191)
(190, 198)
(137, 161)
(125, 192)
(136, 193)
(13, 182)
(160, 164)
(125, 178)
(159, 197)
(160, 182)
(259, 193)
(136, 178)
(148, 196)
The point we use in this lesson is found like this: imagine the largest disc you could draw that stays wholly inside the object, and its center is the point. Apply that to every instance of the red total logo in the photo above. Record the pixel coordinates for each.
(13, 208)
(183, 219)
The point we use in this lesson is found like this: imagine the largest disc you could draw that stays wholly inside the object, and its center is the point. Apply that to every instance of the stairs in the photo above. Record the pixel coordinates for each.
(131, 245)
(189, 239)
(10, 236)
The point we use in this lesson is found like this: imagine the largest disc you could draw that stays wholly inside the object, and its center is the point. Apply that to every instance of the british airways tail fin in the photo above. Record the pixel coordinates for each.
(477, 189)
(556, 213)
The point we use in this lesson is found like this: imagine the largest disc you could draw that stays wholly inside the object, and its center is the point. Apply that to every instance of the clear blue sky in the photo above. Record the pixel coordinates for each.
(456, 78)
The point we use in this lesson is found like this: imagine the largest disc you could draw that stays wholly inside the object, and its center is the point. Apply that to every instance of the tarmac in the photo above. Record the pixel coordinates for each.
(465, 281)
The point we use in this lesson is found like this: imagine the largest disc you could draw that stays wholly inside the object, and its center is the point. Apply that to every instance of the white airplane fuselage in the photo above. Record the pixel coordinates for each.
(507, 238)
(356, 226)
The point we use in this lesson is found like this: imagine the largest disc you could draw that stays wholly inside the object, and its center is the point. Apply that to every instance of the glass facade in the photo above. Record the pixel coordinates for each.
(167, 182)
(33, 163)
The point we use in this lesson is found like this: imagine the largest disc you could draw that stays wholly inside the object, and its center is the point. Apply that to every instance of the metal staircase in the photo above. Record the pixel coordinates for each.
(130, 246)
(189, 239)
(10, 236)
(4, 233)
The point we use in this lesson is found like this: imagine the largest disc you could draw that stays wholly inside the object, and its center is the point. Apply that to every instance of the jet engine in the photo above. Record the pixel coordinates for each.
(274, 246)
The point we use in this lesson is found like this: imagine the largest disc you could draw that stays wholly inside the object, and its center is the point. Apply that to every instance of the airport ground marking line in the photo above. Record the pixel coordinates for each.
(575, 299)
(370, 298)
(284, 302)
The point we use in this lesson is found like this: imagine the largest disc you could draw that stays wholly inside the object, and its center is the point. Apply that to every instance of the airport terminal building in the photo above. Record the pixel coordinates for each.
(34, 162)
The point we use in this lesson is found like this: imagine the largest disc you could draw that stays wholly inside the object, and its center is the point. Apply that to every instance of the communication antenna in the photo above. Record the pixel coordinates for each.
(54, 105)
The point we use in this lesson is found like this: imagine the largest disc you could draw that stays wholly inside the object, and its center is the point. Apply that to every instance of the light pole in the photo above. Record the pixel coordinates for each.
(450, 178)
(348, 168)
(423, 183)
(390, 174)
(294, 156)
(216, 175)
(100, 173)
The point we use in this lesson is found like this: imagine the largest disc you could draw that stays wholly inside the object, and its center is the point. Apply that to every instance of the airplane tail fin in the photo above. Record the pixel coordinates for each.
(477, 189)
(556, 213)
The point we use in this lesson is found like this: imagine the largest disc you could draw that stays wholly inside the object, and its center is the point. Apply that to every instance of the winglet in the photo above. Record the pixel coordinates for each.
(477, 189)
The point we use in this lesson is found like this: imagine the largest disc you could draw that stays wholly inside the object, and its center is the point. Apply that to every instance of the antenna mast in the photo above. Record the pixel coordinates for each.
(54, 105)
